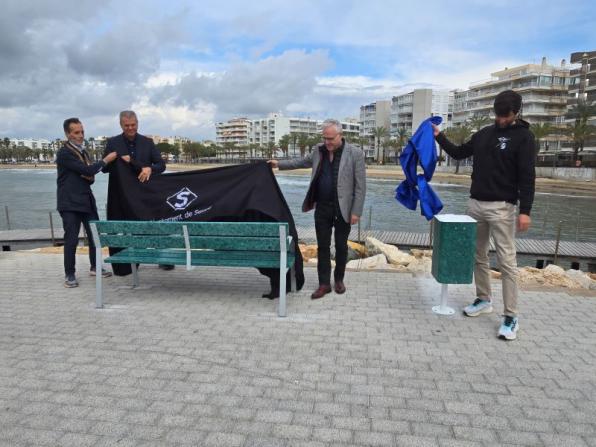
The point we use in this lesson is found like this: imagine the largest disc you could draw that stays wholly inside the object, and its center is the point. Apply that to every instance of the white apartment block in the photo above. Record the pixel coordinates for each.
(234, 131)
(272, 128)
(373, 115)
(410, 109)
(543, 89)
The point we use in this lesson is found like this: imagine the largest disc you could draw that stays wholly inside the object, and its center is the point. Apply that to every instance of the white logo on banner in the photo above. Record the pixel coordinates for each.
(181, 199)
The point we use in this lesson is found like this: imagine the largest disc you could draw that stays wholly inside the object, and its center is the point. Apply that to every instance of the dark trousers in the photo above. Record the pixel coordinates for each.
(71, 222)
(327, 217)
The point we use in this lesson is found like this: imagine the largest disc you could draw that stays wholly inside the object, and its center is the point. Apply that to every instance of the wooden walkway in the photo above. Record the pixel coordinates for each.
(22, 239)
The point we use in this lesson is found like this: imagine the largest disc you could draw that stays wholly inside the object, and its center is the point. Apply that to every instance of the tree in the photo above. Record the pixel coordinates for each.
(166, 149)
(269, 149)
(302, 143)
(458, 135)
(284, 144)
(541, 131)
(379, 134)
(402, 137)
(580, 131)
(313, 140)
(293, 140)
(477, 122)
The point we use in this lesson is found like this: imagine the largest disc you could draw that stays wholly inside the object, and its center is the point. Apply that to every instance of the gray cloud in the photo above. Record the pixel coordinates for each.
(261, 87)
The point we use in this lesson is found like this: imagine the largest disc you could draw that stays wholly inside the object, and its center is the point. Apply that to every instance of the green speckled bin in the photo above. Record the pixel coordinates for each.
(454, 245)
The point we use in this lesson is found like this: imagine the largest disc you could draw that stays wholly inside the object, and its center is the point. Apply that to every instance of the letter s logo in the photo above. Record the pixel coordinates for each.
(181, 199)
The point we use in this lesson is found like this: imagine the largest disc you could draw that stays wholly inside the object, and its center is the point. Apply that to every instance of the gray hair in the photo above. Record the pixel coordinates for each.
(331, 122)
(128, 114)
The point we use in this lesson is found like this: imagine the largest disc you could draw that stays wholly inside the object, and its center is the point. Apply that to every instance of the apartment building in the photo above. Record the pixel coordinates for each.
(410, 109)
(582, 88)
(234, 131)
(374, 115)
(543, 88)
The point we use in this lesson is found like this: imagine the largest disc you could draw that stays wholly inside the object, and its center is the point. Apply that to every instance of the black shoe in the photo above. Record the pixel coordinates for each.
(271, 295)
(70, 281)
(166, 267)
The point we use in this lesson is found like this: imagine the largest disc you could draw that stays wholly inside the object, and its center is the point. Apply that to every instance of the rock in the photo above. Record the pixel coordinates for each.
(374, 262)
(581, 278)
(556, 276)
(308, 251)
(358, 248)
(421, 253)
(420, 265)
(393, 254)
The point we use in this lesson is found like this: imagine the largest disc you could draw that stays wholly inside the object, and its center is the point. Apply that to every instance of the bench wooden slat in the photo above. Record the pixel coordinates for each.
(204, 258)
(255, 229)
(196, 242)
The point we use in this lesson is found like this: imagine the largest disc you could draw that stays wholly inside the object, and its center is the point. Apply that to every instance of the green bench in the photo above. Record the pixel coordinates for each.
(229, 244)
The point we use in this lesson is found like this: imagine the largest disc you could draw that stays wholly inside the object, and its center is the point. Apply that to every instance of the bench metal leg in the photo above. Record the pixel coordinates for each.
(98, 267)
(135, 275)
(98, 278)
(293, 286)
(281, 309)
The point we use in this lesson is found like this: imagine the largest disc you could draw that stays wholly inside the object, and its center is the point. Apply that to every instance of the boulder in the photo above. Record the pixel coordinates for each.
(358, 248)
(581, 278)
(308, 251)
(393, 254)
(417, 253)
(420, 265)
(374, 262)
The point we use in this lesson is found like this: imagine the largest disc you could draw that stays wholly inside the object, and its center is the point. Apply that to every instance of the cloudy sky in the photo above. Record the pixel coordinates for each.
(184, 65)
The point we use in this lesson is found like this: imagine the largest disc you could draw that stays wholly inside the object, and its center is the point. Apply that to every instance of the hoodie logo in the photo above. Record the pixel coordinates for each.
(503, 143)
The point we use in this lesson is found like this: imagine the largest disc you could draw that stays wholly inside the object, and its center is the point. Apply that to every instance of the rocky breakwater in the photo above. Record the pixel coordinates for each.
(376, 255)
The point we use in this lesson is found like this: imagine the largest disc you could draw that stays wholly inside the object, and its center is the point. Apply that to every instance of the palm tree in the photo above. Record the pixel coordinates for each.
(313, 140)
(284, 143)
(293, 140)
(541, 131)
(580, 130)
(402, 136)
(380, 133)
(302, 143)
(458, 135)
(477, 122)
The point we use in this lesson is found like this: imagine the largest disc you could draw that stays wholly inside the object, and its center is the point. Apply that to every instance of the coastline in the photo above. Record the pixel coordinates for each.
(543, 184)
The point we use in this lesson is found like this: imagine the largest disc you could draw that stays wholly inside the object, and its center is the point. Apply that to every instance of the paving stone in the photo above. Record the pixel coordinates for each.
(191, 358)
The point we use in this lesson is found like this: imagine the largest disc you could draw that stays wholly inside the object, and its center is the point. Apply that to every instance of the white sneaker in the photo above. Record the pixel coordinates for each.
(508, 330)
(479, 306)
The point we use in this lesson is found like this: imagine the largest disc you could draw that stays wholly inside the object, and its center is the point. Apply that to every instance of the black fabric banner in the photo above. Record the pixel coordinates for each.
(241, 193)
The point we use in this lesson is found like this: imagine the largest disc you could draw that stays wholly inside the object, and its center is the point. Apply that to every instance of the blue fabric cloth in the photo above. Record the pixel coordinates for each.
(420, 149)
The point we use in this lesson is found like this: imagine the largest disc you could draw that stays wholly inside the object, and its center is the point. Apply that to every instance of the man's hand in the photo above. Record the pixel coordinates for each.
(110, 157)
(436, 130)
(126, 158)
(145, 174)
(523, 222)
(354, 219)
(273, 163)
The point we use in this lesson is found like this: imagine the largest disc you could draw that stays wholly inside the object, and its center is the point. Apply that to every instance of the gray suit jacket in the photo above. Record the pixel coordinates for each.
(351, 179)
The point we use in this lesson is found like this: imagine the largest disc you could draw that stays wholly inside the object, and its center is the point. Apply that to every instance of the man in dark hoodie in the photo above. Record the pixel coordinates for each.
(503, 174)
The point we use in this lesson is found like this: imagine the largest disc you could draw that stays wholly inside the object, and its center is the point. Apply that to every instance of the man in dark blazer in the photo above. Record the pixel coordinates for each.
(76, 203)
(336, 192)
(140, 153)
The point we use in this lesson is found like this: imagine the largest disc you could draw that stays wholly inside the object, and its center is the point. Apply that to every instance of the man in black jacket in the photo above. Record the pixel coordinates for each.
(76, 203)
(140, 153)
(503, 174)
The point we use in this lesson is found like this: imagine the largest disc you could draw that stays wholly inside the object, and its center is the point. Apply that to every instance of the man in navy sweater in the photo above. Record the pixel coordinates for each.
(503, 175)
(76, 203)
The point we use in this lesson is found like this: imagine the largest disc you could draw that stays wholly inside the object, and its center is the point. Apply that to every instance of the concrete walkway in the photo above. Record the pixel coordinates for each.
(198, 358)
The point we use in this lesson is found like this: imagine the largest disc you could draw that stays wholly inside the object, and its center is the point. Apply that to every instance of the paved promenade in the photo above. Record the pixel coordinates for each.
(198, 358)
